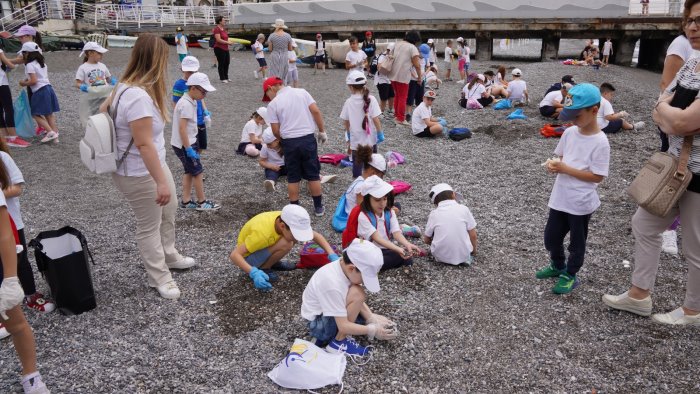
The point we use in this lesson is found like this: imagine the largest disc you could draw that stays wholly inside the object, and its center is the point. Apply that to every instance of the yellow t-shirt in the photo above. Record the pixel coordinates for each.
(259, 233)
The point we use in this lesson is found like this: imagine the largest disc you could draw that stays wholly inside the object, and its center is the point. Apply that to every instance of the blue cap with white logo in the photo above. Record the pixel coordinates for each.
(583, 95)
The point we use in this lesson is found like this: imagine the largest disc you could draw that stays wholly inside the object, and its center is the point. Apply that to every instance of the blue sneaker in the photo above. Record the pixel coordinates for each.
(271, 275)
(188, 205)
(284, 265)
(349, 347)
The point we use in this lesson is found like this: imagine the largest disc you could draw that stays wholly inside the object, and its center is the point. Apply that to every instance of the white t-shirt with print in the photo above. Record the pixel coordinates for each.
(681, 47)
(326, 293)
(448, 54)
(606, 109)
(352, 192)
(353, 112)
(181, 43)
(136, 104)
(16, 178)
(186, 108)
(259, 54)
(551, 98)
(355, 57)
(448, 226)
(251, 128)
(42, 74)
(290, 109)
(95, 74)
(271, 156)
(417, 118)
(365, 228)
(516, 89)
(586, 153)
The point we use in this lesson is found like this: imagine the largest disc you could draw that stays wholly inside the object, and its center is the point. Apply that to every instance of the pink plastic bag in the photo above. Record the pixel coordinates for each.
(400, 186)
(332, 158)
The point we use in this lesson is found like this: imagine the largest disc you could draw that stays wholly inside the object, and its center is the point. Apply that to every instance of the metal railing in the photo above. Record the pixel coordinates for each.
(121, 16)
(657, 8)
(30, 15)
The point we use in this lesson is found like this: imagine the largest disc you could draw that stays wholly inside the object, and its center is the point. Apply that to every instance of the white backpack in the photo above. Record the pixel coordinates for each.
(98, 148)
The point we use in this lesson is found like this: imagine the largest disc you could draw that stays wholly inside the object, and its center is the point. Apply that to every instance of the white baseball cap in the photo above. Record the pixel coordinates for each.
(298, 221)
(356, 77)
(480, 77)
(29, 46)
(201, 80)
(517, 72)
(378, 161)
(439, 188)
(92, 46)
(460, 39)
(390, 46)
(367, 257)
(262, 111)
(190, 63)
(430, 41)
(294, 44)
(376, 187)
(268, 137)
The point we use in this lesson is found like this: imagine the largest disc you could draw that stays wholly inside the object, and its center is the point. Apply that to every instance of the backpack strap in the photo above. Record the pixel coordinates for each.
(373, 220)
(113, 114)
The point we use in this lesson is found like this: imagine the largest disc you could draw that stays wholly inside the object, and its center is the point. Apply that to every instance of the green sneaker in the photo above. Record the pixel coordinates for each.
(566, 284)
(548, 272)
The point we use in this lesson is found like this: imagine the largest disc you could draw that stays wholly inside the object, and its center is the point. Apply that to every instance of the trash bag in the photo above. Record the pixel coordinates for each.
(24, 125)
(517, 114)
(90, 102)
(503, 104)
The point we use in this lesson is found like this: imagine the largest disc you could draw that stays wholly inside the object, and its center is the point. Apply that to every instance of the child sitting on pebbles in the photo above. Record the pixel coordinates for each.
(422, 121)
(451, 228)
(610, 121)
(251, 143)
(517, 89)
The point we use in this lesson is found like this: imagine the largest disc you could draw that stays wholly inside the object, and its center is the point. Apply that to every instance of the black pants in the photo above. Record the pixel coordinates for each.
(485, 101)
(223, 59)
(558, 225)
(394, 260)
(24, 268)
(7, 112)
(664, 141)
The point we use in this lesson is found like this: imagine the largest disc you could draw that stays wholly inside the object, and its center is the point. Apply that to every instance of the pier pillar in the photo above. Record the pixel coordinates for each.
(484, 46)
(550, 47)
(624, 49)
(652, 53)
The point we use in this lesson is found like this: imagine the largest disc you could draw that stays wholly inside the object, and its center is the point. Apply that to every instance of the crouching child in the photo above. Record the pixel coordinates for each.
(451, 228)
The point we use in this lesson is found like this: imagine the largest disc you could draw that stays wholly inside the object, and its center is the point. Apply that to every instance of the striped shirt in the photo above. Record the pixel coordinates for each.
(689, 80)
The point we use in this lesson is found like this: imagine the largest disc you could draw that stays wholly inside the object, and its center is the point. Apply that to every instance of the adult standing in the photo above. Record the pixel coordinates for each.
(678, 114)
(144, 177)
(279, 44)
(406, 55)
(221, 49)
(294, 117)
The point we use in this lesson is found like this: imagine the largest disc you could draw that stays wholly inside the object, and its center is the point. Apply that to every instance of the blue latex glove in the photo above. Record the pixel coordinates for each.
(191, 153)
(207, 113)
(113, 81)
(266, 49)
(333, 257)
(443, 122)
(380, 137)
(260, 279)
(83, 87)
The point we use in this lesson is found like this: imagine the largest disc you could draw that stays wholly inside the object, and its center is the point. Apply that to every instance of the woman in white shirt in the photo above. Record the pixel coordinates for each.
(144, 177)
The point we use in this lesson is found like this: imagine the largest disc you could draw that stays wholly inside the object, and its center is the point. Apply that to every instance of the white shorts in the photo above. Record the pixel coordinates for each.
(448, 65)
(292, 75)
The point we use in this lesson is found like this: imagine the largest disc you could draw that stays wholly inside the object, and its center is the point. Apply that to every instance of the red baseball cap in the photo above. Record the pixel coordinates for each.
(369, 33)
(272, 81)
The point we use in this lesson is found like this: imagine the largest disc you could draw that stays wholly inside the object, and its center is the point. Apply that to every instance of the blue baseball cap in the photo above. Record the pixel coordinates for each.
(583, 95)
(424, 50)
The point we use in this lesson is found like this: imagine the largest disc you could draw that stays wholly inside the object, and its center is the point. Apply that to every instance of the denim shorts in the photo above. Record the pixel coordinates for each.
(301, 158)
(324, 328)
(258, 258)
(192, 166)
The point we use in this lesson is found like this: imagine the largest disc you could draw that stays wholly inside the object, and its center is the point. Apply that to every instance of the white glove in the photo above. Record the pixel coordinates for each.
(11, 295)
(623, 114)
(382, 332)
(376, 318)
(207, 121)
(321, 137)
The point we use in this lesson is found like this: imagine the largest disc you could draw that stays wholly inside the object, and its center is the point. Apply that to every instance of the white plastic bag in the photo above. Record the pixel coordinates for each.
(91, 100)
(307, 367)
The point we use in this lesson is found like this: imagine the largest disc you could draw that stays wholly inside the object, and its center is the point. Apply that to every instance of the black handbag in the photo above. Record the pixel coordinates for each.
(62, 258)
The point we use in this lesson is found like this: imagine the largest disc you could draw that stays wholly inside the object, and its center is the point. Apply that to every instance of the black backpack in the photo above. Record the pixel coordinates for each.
(62, 258)
(373, 65)
(212, 41)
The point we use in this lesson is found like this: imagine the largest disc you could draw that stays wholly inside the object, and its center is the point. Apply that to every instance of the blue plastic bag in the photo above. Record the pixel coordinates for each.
(517, 114)
(459, 133)
(24, 125)
(503, 104)
(340, 217)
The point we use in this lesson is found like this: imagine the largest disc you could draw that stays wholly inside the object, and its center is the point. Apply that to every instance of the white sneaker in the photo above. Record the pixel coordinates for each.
(169, 290)
(624, 302)
(3, 332)
(184, 263)
(269, 185)
(639, 125)
(50, 136)
(460, 81)
(328, 178)
(677, 318)
(255, 72)
(32, 384)
(670, 242)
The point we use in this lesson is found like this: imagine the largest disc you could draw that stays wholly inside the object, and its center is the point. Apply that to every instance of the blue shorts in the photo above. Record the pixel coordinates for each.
(257, 258)
(301, 158)
(44, 101)
(324, 328)
(613, 126)
(319, 59)
(192, 166)
(261, 62)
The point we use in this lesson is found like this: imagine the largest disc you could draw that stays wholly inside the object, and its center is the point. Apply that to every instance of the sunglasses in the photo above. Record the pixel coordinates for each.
(689, 21)
(201, 90)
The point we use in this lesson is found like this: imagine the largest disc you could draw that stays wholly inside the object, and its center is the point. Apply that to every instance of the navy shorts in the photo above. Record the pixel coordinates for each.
(261, 62)
(301, 158)
(44, 101)
(319, 59)
(613, 126)
(547, 111)
(275, 175)
(425, 133)
(415, 93)
(385, 91)
(192, 166)
(202, 136)
(324, 328)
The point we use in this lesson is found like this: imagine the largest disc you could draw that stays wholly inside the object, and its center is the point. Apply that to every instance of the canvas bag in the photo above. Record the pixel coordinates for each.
(98, 148)
(662, 181)
(385, 66)
(62, 258)
(308, 367)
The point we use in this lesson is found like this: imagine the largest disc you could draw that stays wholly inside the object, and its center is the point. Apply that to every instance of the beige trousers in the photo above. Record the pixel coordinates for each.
(647, 230)
(155, 225)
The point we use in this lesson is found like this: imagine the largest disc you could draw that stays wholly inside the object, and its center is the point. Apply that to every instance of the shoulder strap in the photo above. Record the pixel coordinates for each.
(113, 114)
(684, 156)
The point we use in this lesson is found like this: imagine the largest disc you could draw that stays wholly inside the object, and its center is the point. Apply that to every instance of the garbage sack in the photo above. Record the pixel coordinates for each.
(517, 114)
(24, 125)
(90, 102)
(503, 104)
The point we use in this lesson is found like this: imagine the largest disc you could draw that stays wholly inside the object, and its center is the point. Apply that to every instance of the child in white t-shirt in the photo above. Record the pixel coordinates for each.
(271, 159)
(181, 44)
(259, 51)
(251, 143)
(334, 305)
(92, 72)
(517, 89)
(184, 143)
(607, 50)
(583, 160)
(448, 60)
(44, 103)
(451, 228)
(610, 121)
(360, 116)
(431, 79)
(355, 59)
(422, 122)
(292, 72)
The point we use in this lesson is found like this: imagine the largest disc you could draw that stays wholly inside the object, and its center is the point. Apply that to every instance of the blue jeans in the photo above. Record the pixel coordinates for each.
(258, 258)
